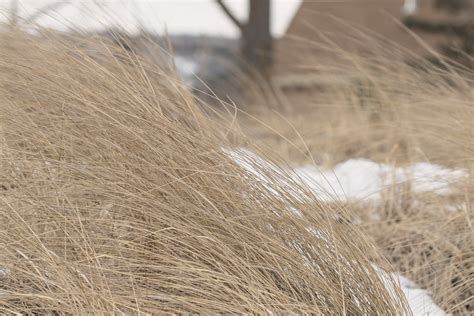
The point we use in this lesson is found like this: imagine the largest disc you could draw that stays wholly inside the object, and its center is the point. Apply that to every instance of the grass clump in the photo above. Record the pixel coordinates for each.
(118, 198)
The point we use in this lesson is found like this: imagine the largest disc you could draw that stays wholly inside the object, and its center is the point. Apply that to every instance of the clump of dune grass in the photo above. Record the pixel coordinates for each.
(117, 197)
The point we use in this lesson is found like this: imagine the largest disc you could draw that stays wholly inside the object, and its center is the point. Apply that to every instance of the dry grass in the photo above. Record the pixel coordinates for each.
(390, 112)
(118, 199)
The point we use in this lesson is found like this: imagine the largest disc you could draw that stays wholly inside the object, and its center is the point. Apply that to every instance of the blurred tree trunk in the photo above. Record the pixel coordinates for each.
(256, 38)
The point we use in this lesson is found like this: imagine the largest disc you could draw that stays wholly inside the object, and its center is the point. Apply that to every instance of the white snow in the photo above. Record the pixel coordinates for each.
(355, 179)
(361, 179)
(419, 300)
(173, 16)
(254, 165)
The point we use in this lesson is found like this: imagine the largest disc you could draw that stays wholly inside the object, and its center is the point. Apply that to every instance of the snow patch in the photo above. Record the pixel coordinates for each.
(361, 179)
(419, 300)
(355, 179)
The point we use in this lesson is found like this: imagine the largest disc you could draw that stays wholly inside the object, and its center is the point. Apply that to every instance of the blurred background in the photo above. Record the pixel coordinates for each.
(213, 40)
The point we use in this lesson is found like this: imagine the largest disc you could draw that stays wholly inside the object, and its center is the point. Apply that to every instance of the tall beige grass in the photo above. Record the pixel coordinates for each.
(383, 108)
(117, 198)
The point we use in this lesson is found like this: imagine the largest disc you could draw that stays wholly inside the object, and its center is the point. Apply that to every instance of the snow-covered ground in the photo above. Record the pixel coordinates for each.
(196, 17)
(357, 179)
(360, 179)
(419, 300)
